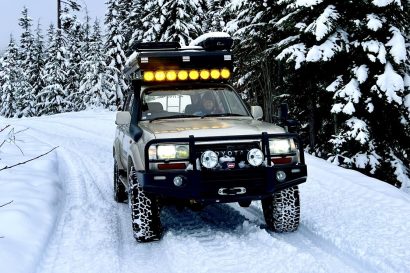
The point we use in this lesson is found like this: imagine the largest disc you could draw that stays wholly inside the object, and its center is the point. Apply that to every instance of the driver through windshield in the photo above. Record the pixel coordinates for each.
(175, 103)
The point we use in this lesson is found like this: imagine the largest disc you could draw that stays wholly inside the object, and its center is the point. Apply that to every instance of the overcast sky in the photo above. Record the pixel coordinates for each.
(45, 10)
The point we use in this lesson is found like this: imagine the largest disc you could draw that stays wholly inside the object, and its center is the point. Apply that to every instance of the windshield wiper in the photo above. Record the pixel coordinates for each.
(174, 116)
(222, 115)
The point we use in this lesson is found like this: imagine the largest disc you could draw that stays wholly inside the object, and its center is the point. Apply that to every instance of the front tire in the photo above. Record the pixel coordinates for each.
(145, 212)
(282, 210)
(120, 194)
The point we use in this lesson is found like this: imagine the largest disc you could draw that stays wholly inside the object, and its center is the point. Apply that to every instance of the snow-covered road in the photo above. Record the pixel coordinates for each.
(350, 223)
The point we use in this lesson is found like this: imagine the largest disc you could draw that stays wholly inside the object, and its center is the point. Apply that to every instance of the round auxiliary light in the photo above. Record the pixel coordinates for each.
(193, 74)
(255, 157)
(215, 74)
(178, 181)
(171, 75)
(280, 176)
(225, 73)
(209, 159)
(182, 75)
(148, 76)
(160, 75)
(204, 74)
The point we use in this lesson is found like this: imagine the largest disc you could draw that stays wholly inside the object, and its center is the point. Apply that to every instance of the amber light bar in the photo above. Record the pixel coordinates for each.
(183, 75)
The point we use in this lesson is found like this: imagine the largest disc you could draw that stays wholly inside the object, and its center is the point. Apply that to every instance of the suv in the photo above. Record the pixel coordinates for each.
(185, 137)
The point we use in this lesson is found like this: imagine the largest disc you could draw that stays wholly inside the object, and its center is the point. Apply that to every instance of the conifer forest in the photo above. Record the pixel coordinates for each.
(343, 67)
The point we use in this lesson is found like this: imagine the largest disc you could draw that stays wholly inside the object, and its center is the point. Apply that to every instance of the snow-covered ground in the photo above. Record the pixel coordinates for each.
(63, 217)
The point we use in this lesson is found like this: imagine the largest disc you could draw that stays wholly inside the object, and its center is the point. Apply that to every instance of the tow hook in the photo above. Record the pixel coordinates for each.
(232, 191)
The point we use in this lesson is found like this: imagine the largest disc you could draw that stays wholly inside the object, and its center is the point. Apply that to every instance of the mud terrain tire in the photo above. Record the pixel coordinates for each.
(145, 212)
(282, 210)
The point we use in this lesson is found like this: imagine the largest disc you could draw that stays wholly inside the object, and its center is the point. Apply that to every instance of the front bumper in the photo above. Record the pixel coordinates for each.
(223, 185)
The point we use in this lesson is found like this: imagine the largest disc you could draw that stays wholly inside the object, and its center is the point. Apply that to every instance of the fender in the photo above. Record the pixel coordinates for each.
(116, 147)
(136, 156)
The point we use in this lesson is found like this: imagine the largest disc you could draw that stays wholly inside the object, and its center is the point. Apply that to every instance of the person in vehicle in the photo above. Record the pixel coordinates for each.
(209, 105)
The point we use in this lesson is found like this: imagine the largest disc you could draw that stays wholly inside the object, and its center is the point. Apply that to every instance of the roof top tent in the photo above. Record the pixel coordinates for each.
(210, 52)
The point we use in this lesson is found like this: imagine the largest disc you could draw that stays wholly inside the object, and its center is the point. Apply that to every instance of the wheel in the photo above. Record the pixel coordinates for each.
(120, 193)
(145, 210)
(282, 210)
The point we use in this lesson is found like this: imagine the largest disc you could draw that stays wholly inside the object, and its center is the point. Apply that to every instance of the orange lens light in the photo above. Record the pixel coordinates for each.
(159, 75)
(182, 75)
(215, 74)
(225, 73)
(148, 76)
(193, 74)
(204, 74)
(171, 75)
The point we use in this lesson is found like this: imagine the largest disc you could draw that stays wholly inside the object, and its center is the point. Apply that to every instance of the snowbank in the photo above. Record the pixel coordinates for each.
(28, 222)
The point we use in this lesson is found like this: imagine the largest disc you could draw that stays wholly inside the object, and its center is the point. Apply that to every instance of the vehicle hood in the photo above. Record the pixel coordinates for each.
(208, 127)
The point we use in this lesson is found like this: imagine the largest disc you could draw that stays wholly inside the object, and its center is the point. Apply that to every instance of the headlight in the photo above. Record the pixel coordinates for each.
(169, 151)
(282, 146)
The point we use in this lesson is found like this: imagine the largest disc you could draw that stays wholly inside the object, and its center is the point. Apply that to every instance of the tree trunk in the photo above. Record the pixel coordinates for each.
(58, 14)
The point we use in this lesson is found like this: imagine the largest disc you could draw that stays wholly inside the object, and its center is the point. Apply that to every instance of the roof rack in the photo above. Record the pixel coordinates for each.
(151, 46)
(211, 50)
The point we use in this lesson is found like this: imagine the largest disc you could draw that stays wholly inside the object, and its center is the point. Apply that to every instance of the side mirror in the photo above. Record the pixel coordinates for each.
(257, 112)
(283, 112)
(123, 118)
(293, 125)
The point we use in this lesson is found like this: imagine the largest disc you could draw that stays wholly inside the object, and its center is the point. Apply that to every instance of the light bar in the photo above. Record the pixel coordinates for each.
(183, 75)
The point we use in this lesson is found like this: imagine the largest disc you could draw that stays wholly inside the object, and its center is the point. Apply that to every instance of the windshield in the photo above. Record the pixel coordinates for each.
(174, 103)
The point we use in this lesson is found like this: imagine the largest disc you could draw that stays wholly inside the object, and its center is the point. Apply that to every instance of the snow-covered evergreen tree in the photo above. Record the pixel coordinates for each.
(53, 98)
(309, 41)
(174, 20)
(135, 21)
(370, 96)
(219, 13)
(114, 48)
(73, 37)
(256, 69)
(27, 63)
(355, 51)
(14, 85)
(95, 85)
(38, 54)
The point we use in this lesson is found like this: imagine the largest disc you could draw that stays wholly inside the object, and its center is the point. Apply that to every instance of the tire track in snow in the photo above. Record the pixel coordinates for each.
(310, 242)
(80, 226)
(225, 241)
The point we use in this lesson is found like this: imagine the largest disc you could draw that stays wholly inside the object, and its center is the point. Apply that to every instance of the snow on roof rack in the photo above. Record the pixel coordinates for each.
(214, 41)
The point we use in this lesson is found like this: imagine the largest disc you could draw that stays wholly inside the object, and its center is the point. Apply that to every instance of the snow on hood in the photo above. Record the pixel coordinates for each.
(209, 127)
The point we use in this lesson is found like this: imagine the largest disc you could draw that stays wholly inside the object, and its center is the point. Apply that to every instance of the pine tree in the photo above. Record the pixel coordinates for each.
(114, 48)
(372, 85)
(309, 43)
(73, 38)
(14, 84)
(252, 30)
(135, 22)
(53, 98)
(95, 86)
(36, 79)
(219, 14)
(174, 20)
(28, 64)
